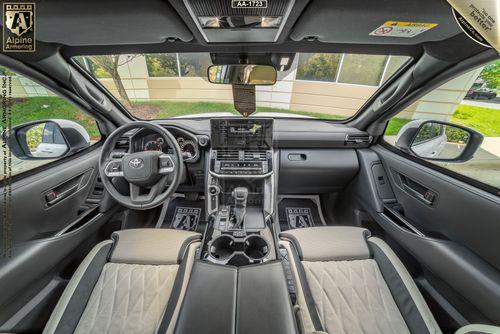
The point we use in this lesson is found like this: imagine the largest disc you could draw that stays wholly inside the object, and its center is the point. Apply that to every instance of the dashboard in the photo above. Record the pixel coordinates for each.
(311, 156)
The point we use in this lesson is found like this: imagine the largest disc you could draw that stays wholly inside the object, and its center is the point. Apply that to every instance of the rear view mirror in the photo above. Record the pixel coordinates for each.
(242, 74)
(47, 139)
(435, 140)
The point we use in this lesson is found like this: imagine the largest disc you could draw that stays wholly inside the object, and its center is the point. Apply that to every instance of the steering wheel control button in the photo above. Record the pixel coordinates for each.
(114, 169)
(166, 164)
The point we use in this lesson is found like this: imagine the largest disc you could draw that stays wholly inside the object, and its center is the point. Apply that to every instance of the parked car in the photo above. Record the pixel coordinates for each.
(482, 92)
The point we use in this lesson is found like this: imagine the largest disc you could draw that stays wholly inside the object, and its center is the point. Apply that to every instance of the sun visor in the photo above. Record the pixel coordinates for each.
(118, 22)
(407, 22)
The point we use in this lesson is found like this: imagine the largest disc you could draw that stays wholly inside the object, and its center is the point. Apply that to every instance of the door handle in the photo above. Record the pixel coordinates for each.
(415, 189)
(429, 199)
(52, 197)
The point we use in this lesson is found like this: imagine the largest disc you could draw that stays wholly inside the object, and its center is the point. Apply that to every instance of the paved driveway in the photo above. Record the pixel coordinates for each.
(492, 104)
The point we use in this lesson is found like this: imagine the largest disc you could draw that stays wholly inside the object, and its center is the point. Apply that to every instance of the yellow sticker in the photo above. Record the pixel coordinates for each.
(402, 29)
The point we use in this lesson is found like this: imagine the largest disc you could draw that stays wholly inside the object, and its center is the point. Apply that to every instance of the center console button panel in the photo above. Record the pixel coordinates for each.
(241, 147)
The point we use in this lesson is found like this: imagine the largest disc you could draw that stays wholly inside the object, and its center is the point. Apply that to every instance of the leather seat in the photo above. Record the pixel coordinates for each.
(133, 283)
(349, 282)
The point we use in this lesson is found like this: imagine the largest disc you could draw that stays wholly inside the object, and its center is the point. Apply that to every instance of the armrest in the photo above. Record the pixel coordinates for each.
(263, 303)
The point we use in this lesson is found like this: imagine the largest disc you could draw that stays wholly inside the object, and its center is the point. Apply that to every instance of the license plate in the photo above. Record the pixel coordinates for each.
(249, 4)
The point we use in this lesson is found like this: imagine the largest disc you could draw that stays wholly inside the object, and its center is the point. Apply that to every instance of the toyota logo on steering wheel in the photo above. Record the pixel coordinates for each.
(136, 163)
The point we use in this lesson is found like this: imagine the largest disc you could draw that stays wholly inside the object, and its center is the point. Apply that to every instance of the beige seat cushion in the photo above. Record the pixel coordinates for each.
(352, 297)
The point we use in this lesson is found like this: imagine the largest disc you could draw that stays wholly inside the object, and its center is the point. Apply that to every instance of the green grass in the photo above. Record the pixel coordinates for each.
(394, 125)
(46, 107)
(167, 109)
(484, 120)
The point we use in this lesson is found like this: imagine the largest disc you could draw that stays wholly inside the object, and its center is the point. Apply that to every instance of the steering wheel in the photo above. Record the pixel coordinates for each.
(147, 172)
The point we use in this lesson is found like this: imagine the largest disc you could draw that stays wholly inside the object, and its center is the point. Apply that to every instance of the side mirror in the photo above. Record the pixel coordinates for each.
(46, 139)
(436, 140)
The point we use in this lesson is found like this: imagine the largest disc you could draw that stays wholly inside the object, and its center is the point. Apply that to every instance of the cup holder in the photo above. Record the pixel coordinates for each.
(238, 251)
(256, 247)
(222, 248)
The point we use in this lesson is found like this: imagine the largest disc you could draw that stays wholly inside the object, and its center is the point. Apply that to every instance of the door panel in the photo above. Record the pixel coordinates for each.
(50, 220)
(450, 227)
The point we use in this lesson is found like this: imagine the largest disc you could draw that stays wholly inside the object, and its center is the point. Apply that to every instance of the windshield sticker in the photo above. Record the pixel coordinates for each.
(402, 29)
(479, 20)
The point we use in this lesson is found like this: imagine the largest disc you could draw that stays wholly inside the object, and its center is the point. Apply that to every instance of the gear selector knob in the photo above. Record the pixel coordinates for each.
(240, 195)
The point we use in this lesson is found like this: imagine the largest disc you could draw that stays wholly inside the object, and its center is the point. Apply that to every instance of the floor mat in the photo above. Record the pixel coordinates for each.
(183, 214)
(298, 213)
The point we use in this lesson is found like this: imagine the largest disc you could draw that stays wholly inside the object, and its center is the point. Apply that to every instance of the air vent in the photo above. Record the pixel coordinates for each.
(357, 140)
(123, 144)
(255, 156)
(228, 155)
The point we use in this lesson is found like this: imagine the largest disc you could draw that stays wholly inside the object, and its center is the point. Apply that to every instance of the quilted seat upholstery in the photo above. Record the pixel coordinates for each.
(134, 283)
(128, 298)
(352, 297)
(351, 283)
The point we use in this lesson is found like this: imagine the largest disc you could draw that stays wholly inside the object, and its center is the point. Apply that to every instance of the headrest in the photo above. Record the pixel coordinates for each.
(151, 246)
(329, 243)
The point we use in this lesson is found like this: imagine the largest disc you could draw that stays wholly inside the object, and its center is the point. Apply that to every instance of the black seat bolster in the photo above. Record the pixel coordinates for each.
(399, 290)
(74, 299)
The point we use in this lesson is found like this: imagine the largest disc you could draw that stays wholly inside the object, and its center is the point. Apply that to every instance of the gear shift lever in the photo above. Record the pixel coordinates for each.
(240, 195)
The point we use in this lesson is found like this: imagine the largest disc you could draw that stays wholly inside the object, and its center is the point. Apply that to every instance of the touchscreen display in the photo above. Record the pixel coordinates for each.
(241, 133)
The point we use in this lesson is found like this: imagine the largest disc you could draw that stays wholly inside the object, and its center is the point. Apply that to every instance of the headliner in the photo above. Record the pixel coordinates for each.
(127, 26)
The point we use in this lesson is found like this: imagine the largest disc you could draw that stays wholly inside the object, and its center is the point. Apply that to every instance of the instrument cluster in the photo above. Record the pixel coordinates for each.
(154, 142)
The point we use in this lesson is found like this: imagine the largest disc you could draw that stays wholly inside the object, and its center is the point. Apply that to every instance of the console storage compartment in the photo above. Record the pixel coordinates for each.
(263, 304)
(231, 300)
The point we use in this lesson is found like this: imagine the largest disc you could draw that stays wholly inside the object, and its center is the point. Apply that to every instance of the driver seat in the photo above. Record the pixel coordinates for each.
(133, 283)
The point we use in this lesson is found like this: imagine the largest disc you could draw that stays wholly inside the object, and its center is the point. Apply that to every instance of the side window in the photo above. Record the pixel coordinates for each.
(468, 101)
(45, 127)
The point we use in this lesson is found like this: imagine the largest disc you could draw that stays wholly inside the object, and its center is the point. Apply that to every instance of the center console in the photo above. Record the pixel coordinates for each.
(231, 295)
(240, 191)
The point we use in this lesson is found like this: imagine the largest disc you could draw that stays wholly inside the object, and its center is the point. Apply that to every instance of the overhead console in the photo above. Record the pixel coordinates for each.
(226, 21)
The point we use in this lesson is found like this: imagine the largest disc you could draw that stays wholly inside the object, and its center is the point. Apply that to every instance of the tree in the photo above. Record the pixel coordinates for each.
(491, 75)
(110, 64)
(320, 66)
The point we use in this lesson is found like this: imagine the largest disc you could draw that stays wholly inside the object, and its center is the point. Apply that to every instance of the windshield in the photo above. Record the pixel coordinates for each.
(317, 85)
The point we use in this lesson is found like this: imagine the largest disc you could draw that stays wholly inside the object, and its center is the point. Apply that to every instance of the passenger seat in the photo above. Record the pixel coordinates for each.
(348, 282)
